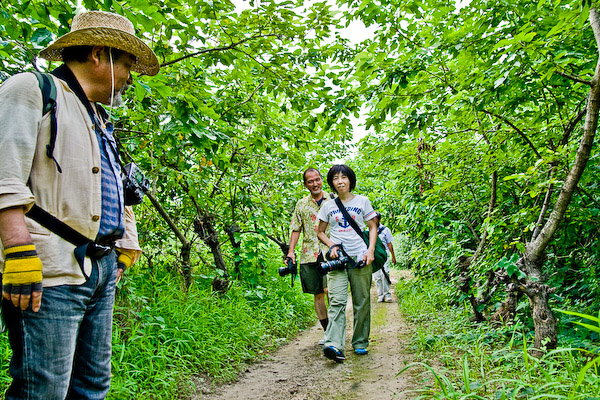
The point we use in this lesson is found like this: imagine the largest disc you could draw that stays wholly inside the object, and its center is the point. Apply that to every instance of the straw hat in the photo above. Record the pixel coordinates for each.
(100, 28)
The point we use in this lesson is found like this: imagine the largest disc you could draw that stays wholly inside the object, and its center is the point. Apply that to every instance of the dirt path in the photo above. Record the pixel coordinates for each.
(299, 371)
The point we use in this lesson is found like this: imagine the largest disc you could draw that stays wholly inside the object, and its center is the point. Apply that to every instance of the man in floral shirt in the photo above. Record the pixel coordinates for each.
(304, 220)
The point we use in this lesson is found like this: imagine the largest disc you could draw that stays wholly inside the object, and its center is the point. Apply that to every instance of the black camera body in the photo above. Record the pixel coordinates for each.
(135, 184)
(290, 268)
(342, 262)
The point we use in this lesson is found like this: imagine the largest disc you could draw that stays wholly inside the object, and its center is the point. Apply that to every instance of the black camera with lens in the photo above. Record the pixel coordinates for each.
(290, 268)
(334, 265)
(135, 184)
(342, 262)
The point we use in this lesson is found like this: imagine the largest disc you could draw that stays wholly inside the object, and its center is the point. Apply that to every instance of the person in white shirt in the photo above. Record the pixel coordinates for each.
(383, 275)
(357, 273)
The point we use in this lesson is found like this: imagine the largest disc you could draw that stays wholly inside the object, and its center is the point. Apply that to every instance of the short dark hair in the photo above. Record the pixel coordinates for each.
(310, 170)
(344, 170)
(81, 53)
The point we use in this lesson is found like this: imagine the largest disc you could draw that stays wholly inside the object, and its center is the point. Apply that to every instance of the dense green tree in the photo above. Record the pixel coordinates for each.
(490, 114)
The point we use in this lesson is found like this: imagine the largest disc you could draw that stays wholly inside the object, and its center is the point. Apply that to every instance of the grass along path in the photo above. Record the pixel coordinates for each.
(299, 371)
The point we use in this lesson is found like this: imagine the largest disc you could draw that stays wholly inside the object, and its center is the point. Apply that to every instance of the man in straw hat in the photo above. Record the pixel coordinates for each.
(57, 306)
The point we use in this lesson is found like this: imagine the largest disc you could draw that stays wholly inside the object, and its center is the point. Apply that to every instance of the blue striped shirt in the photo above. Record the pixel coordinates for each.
(112, 221)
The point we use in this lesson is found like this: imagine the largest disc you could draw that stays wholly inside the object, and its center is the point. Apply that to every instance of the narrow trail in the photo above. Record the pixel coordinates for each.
(299, 371)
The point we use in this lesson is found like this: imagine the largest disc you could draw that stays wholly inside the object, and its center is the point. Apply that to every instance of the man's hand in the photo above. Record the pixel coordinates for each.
(22, 278)
(124, 260)
(290, 255)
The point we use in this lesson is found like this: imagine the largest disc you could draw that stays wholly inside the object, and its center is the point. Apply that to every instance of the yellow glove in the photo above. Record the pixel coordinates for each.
(22, 267)
(125, 258)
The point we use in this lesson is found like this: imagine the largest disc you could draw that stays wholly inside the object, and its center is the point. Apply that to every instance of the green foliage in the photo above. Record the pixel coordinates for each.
(163, 336)
(464, 360)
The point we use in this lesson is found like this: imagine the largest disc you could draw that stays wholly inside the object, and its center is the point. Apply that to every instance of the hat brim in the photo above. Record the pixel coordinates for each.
(146, 62)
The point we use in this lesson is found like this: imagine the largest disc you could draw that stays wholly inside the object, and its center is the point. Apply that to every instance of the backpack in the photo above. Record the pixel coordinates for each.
(48, 89)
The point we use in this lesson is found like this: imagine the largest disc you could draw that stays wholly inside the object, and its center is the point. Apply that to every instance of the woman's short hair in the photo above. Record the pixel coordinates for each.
(344, 170)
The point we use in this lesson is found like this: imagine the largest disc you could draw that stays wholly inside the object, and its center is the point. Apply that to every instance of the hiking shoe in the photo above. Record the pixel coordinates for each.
(333, 353)
(388, 298)
(361, 352)
(322, 341)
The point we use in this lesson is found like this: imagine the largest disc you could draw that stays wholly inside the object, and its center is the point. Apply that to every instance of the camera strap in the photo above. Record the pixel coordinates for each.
(354, 225)
(83, 245)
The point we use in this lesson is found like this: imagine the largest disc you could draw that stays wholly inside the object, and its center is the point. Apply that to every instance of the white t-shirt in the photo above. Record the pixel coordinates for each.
(340, 231)
(385, 236)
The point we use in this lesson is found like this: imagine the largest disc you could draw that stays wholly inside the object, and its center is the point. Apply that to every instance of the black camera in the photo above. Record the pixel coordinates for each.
(135, 184)
(342, 262)
(290, 268)
(333, 265)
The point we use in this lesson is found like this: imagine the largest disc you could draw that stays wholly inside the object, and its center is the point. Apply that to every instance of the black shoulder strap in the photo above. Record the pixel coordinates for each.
(48, 89)
(83, 246)
(349, 219)
(55, 225)
(380, 229)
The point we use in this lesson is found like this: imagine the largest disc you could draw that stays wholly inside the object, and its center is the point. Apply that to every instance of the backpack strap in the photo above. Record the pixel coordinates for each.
(48, 89)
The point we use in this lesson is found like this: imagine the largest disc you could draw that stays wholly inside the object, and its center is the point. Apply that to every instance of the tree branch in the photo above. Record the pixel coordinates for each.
(256, 89)
(520, 132)
(167, 219)
(574, 78)
(217, 49)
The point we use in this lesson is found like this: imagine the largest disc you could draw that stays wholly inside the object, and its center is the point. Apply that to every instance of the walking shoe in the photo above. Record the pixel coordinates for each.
(361, 352)
(333, 353)
(388, 298)
(322, 341)
(380, 299)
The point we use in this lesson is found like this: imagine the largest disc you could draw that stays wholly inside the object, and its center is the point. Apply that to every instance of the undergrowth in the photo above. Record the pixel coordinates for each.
(163, 337)
(461, 359)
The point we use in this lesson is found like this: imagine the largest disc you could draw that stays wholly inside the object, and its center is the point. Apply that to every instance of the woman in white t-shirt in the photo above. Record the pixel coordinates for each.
(342, 180)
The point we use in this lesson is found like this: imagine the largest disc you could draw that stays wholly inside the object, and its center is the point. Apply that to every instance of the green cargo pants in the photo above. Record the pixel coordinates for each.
(360, 287)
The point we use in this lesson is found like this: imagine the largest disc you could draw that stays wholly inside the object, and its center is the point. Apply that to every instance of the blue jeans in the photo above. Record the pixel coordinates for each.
(63, 351)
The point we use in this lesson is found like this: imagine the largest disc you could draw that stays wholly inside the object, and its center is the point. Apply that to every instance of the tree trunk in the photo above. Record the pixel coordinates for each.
(465, 262)
(186, 245)
(507, 310)
(236, 245)
(204, 227)
(186, 266)
(532, 259)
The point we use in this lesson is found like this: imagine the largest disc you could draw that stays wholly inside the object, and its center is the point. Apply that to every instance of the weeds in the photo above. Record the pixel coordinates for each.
(163, 337)
(476, 361)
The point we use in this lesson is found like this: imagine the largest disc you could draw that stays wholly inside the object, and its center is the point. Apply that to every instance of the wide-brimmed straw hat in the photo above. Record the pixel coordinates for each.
(100, 28)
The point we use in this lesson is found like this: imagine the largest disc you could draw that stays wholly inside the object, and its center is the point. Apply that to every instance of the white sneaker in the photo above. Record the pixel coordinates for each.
(388, 298)
(322, 341)
(380, 299)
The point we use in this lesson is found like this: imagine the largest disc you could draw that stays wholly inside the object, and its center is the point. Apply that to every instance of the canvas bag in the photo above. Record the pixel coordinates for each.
(380, 253)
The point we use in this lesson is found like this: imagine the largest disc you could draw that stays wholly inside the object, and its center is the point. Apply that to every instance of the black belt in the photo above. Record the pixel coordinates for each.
(84, 247)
